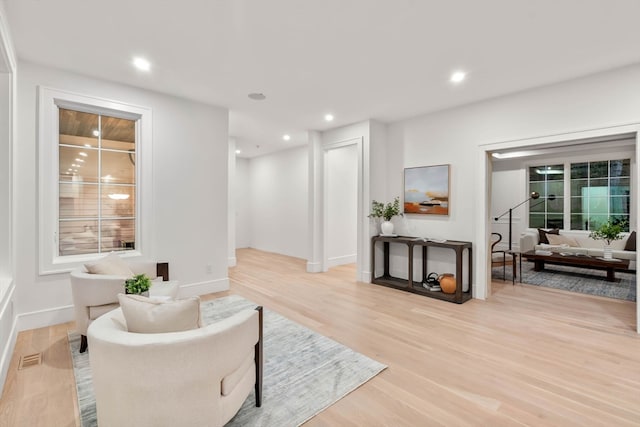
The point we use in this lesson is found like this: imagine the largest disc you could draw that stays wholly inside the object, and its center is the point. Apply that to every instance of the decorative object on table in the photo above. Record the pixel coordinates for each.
(432, 283)
(533, 196)
(426, 190)
(447, 283)
(138, 284)
(386, 212)
(608, 231)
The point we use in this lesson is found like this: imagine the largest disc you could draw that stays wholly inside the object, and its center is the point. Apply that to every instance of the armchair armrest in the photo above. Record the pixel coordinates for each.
(528, 240)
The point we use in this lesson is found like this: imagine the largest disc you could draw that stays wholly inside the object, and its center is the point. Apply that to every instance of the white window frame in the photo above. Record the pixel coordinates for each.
(49, 102)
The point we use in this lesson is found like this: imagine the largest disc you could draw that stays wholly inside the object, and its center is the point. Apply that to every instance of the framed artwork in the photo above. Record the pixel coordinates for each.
(426, 190)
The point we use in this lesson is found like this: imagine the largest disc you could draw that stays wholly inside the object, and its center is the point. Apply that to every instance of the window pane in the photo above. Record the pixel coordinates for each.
(598, 205)
(621, 219)
(619, 205)
(620, 168)
(556, 188)
(620, 187)
(538, 187)
(78, 162)
(534, 174)
(598, 169)
(118, 235)
(78, 200)
(555, 206)
(118, 134)
(536, 206)
(77, 128)
(118, 167)
(603, 183)
(555, 221)
(536, 220)
(78, 237)
(579, 222)
(576, 205)
(579, 170)
(577, 186)
(118, 201)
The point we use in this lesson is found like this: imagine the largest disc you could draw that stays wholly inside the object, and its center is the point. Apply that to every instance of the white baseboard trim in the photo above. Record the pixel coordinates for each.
(8, 342)
(46, 317)
(341, 260)
(364, 276)
(203, 288)
(314, 267)
(232, 261)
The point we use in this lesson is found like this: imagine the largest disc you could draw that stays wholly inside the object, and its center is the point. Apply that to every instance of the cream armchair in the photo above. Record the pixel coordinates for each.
(97, 294)
(199, 377)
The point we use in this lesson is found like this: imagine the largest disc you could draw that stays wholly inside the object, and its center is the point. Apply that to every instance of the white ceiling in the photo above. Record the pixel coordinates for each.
(359, 59)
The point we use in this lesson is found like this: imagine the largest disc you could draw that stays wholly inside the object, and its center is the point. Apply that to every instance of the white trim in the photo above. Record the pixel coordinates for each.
(232, 261)
(342, 260)
(203, 288)
(46, 317)
(314, 267)
(48, 101)
(482, 223)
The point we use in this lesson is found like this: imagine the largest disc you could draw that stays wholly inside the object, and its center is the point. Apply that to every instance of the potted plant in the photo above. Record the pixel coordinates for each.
(138, 284)
(608, 231)
(385, 211)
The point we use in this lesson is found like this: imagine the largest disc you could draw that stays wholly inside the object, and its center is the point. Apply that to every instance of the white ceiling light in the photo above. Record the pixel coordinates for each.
(83, 154)
(141, 64)
(96, 132)
(238, 151)
(286, 137)
(457, 77)
(80, 160)
(87, 145)
(328, 117)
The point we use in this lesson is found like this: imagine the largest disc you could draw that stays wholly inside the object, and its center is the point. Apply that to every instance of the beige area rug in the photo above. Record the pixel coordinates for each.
(304, 372)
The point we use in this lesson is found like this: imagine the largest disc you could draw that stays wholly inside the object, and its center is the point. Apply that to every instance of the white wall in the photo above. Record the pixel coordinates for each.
(279, 208)
(242, 194)
(190, 143)
(455, 137)
(342, 205)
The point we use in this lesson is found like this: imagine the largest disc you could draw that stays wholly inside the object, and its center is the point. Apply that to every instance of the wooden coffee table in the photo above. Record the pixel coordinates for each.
(584, 261)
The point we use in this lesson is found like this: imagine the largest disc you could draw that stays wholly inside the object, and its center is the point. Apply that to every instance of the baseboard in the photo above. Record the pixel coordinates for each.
(341, 260)
(364, 276)
(44, 318)
(314, 267)
(203, 288)
(232, 261)
(8, 340)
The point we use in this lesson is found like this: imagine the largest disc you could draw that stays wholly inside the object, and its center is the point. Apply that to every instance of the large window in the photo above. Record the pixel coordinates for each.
(95, 179)
(586, 194)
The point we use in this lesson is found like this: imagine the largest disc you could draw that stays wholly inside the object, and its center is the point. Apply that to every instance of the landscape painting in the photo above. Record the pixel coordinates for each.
(426, 190)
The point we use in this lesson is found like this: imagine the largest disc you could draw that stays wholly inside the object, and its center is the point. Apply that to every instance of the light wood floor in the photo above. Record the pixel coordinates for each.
(526, 356)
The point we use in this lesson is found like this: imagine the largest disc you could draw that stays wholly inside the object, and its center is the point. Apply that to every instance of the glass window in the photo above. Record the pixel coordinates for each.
(97, 183)
(548, 181)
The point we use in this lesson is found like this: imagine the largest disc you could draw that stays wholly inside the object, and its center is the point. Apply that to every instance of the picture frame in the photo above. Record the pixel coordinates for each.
(426, 190)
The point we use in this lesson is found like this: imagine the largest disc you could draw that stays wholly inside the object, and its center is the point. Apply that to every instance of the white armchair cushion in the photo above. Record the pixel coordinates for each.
(145, 315)
(112, 264)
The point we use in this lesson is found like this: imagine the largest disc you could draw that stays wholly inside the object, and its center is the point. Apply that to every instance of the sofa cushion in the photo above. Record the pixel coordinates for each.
(111, 265)
(149, 316)
(561, 240)
(543, 234)
(630, 245)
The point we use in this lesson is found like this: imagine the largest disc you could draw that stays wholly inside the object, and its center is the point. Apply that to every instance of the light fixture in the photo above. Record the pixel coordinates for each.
(107, 178)
(549, 171)
(80, 160)
(74, 165)
(87, 145)
(96, 132)
(83, 154)
(457, 77)
(238, 151)
(257, 96)
(286, 137)
(141, 64)
(118, 196)
(328, 117)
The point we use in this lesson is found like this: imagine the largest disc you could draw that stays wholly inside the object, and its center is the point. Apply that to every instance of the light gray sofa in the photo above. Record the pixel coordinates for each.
(530, 240)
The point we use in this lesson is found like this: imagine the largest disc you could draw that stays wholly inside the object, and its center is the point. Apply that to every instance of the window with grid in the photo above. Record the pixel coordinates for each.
(97, 183)
(547, 180)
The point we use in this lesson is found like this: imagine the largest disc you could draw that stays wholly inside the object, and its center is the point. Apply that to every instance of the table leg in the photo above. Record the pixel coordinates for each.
(538, 265)
(611, 275)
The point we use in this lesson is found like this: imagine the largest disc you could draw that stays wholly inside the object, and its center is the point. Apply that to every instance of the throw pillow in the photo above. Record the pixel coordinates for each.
(543, 234)
(147, 316)
(112, 264)
(562, 240)
(631, 242)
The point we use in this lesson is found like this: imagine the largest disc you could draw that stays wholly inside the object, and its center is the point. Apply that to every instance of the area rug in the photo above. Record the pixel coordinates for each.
(304, 372)
(574, 279)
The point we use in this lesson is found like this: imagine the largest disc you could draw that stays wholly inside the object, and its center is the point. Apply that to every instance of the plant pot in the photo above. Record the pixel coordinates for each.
(387, 228)
(608, 252)
(447, 283)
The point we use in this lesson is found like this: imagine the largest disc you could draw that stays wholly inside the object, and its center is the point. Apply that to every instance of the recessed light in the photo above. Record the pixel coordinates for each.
(256, 96)
(87, 145)
(238, 151)
(141, 64)
(457, 77)
(286, 137)
(328, 117)
(83, 154)
(80, 160)
(96, 132)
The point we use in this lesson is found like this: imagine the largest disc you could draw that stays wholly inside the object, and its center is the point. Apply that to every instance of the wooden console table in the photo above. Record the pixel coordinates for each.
(416, 287)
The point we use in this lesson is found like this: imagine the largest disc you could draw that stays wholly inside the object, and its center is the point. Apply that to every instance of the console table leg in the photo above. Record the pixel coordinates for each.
(611, 275)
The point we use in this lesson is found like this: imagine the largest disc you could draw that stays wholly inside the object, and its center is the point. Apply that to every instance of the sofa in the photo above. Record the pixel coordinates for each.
(578, 242)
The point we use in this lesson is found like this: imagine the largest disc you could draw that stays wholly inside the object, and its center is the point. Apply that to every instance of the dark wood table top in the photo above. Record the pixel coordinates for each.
(586, 260)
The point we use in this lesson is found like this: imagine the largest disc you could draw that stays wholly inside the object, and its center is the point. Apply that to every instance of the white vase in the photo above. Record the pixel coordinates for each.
(387, 228)
(608, 252)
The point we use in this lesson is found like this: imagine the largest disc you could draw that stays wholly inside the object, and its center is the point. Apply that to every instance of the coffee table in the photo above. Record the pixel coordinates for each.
(584, 261)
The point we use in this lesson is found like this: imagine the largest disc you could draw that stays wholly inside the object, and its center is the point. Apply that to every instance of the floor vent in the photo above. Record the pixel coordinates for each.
(30, 360)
